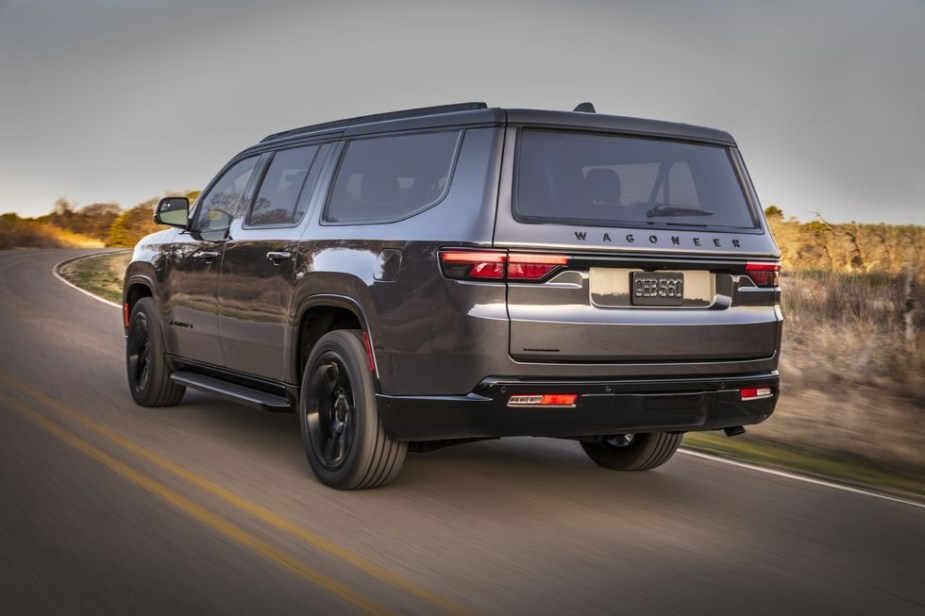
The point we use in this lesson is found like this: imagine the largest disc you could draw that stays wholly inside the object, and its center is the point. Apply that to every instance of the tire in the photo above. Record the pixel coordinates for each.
(633, 452)
(346, 445)
(145, 361)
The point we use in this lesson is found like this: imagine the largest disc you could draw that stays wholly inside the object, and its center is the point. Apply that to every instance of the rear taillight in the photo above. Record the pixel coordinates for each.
(764, 274)
(465, 265)
(533, 267)
(498, 265)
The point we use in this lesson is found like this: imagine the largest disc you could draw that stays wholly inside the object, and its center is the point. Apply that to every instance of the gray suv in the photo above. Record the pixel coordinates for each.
(428, 277)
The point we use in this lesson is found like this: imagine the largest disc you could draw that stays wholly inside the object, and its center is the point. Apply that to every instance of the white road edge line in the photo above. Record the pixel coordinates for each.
(803, 478)
(696, 454)
(54, 271)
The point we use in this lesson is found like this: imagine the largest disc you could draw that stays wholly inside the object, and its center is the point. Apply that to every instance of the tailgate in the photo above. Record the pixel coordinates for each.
(661, 251)
(601, 311)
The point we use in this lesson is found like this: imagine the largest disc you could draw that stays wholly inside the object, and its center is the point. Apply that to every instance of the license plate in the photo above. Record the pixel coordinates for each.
(657, 288)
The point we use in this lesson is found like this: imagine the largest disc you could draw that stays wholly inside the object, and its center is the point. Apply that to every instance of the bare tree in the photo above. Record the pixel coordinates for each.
(853, 233)
(909, 309)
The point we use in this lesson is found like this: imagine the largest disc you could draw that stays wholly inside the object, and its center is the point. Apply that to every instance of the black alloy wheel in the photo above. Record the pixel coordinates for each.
(138, 353)
(345, 443)
(145, 359)
(331, 414)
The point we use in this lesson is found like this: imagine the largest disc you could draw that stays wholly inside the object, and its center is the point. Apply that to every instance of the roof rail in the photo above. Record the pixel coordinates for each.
(376, 117)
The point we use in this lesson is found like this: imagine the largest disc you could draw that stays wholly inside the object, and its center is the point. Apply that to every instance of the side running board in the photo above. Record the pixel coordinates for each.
(232, 391)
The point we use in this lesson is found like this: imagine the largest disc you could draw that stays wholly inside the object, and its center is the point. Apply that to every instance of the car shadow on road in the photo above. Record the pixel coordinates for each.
(505, 468)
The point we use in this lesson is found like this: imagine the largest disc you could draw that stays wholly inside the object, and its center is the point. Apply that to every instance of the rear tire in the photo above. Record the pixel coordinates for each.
(145, 361)
(633, 452)
(346, 445)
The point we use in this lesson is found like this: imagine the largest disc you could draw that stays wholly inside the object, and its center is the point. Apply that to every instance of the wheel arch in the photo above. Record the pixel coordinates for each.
(137, 285)
(323, 313)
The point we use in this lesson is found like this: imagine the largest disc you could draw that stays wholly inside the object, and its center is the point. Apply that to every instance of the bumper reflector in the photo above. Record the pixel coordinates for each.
(558, 400)
(756, 393)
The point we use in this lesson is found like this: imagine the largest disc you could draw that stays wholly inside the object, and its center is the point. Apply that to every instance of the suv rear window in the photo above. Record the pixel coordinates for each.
(388, 178)
(614, 181)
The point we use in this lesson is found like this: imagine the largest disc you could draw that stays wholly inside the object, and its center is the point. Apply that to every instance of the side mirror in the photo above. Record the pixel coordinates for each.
(173, 211)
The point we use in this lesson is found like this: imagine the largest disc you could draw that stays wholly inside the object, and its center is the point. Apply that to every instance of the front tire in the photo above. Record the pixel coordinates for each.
(346, 445)
(145, 361)
(633, 452)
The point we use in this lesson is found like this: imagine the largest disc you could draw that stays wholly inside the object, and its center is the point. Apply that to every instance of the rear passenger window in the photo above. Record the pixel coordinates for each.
(283, 188)
(388, 178)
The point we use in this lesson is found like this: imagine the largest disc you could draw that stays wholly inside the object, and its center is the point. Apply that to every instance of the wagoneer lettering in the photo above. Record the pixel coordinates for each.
(428, 277)
(674, 240)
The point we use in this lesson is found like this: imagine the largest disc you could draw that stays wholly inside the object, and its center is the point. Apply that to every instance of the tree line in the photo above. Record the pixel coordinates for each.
(96, 224)
(847, 247)
(819, 244)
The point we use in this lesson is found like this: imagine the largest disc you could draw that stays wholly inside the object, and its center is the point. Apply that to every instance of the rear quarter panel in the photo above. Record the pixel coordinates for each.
(416, 322)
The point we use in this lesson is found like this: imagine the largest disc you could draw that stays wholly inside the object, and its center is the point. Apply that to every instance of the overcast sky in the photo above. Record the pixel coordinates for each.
(104, 100)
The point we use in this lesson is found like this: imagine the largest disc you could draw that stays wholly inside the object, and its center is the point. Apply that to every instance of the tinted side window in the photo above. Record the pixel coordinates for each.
(388, 178)
(219, 206)
(282, 188)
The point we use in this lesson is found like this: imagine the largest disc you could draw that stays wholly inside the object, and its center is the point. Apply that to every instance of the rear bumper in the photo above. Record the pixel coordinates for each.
(602, 408)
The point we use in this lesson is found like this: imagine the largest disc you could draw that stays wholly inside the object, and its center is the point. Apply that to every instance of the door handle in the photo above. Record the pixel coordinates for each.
(207, 255)
(278, 257)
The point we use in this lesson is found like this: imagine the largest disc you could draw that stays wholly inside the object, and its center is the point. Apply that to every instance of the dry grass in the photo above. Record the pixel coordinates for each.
(852, 383)
(846, 469)
(69, 239)
(100, 274)
(17, 232)
(850, 330)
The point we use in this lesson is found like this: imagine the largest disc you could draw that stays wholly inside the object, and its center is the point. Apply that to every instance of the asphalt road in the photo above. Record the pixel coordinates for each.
(209, 508)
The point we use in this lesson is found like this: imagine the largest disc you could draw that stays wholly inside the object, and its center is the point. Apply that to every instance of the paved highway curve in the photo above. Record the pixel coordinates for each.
(209, 508)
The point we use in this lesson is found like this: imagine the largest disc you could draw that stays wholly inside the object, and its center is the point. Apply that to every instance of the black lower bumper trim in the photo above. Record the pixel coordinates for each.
(602, 408)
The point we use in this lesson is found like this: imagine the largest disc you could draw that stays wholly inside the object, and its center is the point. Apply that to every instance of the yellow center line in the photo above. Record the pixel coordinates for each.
(216, 522)
(261, 513)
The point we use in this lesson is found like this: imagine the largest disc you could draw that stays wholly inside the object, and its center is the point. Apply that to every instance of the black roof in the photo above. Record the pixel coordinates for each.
(474, 114)
(340, 125)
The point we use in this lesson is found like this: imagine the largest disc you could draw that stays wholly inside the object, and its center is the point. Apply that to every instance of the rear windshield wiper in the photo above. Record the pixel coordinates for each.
(663, 209)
